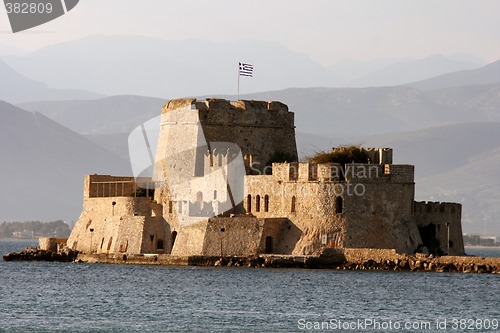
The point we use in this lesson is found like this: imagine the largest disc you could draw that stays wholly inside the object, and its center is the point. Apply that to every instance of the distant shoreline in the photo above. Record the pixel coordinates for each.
(19, 239)
(482, 247)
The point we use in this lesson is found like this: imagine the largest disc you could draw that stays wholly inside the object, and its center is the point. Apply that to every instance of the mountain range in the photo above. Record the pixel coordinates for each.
(447, 125)
(136, 65)
(17, 88)
(43, 164)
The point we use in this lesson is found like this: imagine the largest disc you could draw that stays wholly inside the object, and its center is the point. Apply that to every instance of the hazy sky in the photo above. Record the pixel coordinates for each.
(326, 30)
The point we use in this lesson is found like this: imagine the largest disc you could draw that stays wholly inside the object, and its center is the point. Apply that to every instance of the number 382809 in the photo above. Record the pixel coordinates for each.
(28, 8)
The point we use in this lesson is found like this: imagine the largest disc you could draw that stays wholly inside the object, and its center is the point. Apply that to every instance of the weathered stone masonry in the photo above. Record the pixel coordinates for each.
(299, 209)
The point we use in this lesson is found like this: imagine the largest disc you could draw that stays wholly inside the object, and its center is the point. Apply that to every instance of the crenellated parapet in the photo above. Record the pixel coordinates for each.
(400, 173)
(261, 129)
(334, 172)
(242, 112)
(430, 207)
(379, 155)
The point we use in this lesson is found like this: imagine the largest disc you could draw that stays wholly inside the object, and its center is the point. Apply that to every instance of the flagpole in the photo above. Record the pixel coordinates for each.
(238, 82)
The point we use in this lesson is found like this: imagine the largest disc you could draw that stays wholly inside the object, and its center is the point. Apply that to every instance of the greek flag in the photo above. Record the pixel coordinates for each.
(246, 69)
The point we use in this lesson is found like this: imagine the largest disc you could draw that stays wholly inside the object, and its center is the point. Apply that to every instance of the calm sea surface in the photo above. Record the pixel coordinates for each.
(69, 297)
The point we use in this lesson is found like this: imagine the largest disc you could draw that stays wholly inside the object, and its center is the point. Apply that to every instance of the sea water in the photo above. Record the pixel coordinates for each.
(71, 297)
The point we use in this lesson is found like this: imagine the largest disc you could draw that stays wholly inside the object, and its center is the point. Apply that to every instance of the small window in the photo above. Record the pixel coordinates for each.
(173, 236)
(124, 246)
(293, 205)
(266, 203)
(159, 244)
(339, 205)
(109, 243)
(170, 207)
(152, 237)
(249, 203)
(257, 203)
(215, 194)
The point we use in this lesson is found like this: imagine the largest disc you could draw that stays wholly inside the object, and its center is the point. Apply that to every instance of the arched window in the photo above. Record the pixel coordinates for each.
(215, 194)
(257, 203)
(266, 203)
(293, 205)
(199, 196)
(170, 207)
(339, 205)
(249, 203)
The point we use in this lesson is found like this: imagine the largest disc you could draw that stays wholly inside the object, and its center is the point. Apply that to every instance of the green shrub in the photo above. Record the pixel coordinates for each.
(341, 155)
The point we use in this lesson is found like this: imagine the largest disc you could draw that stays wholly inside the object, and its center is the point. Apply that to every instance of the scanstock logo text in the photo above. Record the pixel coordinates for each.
(26, 14)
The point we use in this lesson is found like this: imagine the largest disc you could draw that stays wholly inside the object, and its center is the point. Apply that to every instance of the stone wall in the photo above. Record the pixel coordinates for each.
(241, 236)
(369, 209)
(248, 235)
(51, 244)
(436, 219)
(118, 224)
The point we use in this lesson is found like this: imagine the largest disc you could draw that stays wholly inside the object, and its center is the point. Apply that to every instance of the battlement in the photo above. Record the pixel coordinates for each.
(333, 172)
(217, 104)
(424, 207)
(261, 129)
(379, 155)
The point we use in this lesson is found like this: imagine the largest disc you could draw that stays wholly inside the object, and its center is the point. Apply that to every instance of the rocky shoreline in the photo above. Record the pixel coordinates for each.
(36, 254)
(326, 260)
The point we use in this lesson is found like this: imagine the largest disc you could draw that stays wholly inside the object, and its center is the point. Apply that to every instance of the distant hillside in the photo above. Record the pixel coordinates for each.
(440, 149)
(476, 185)
(114, 114)
(489, 74)
(42, 167)
(354, 112)
(16, 88)
(410, 71)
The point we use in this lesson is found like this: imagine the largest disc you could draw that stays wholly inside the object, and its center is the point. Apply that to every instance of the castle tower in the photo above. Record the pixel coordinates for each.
(205, 149)
(263, 130)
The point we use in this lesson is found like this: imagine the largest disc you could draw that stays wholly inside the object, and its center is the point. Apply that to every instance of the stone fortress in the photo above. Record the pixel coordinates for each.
(196, 203)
